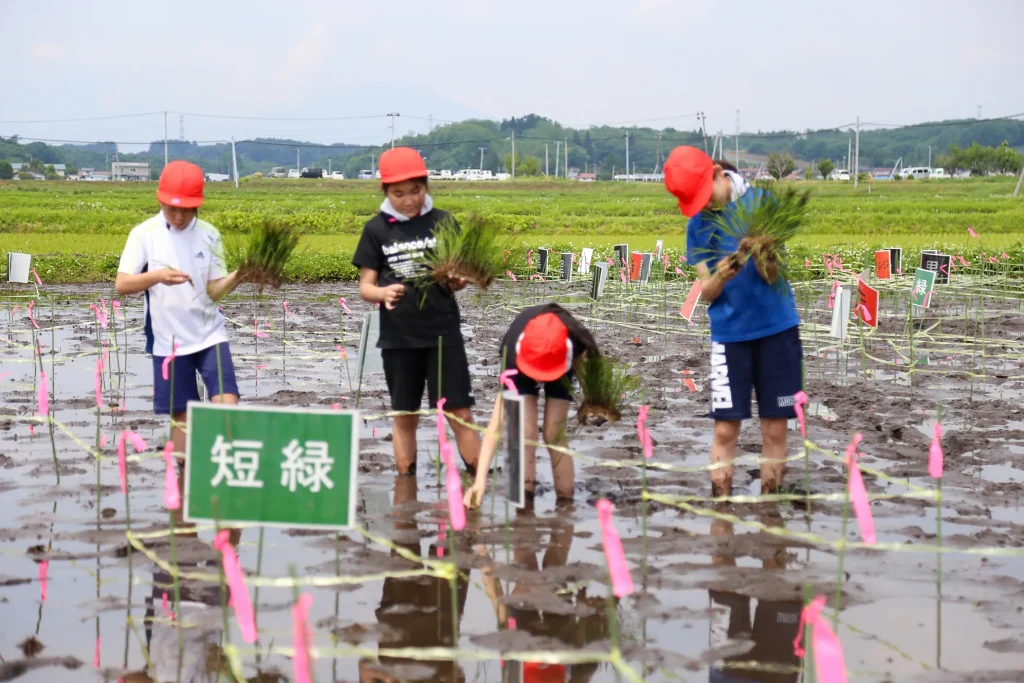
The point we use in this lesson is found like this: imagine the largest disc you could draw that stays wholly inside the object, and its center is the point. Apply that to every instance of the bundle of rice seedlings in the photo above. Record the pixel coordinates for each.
(261, 256)
(763, 225)
(472, 251)
(605, 385)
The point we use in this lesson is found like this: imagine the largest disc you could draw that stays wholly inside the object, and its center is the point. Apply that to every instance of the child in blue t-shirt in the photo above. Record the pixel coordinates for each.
(755, 338)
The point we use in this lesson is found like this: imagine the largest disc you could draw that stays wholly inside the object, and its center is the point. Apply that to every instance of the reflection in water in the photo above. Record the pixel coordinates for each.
(582, 620)
(414, 612)
(775, 625)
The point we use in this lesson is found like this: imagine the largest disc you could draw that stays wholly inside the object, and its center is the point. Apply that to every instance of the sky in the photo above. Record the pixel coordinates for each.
(794, 64)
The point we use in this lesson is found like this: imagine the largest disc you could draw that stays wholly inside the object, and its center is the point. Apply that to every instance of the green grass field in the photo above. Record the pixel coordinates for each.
(77, 230)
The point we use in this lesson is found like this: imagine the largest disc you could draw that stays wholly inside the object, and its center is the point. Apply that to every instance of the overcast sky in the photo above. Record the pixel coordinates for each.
(793, 64)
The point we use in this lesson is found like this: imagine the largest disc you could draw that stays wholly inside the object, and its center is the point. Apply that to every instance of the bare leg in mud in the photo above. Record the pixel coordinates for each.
(773, 453)
(723, 450)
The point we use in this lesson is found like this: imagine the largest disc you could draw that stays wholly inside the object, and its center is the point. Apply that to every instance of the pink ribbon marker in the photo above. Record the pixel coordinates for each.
(610, 261)
(287, 312)
(44, 570)
(641, 431)
(622, 275)
(807, 263)
(138, 443)
(31, 305)
(256, 329)
(858, 494)
(832, 295)
(505, 378)
(38, 281)
(935, 459)
(96, 657)
(529, 258)
(622, 581)
(511, 275)
(236, 585)
(301, 638)
(1005, 255)
(829, 664)
(98, 382)
(14, 311)
(442, 436)
(800, 399)
(166, 366)
(537, 276)
(865, 313)
(442, 535)
(172, 496)
(679, 271)
(970, 231)
(44, 396)
(453, 487)
(344, 305)
(164, 603)
(342, 353)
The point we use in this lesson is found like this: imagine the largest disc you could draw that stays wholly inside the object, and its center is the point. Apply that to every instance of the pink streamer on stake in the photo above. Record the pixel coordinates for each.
(622, 275)
(342, 353)
(44, 570)
(1005, 255)
(679, 271)
(442, 436)
(165, 603)
(800, 399)
(943, 268)
(453, 487)
(610, 261)
(858, 495)
(103, 440)
(31, 305)
(14, 311)
(256, 329)
(301, 638)
(935, 459)
(98, 382)
(505, 378)
(287, 312)
(641, 431)
(829, 664)
(122, 463)
(832, 295)
(622, 581)
(807, 263)
(44, 396)
(511, 275)
(970, 231)
(537, 276)
(172, 496)
(38, 281)
(166, 366)
(863, 310)
(344, 305)
(236, 585)
(96, 657)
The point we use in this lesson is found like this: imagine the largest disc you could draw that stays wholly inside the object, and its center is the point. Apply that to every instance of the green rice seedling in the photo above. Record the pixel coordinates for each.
(763, 226)
(472, 251)
(262, 255)
(605, 385)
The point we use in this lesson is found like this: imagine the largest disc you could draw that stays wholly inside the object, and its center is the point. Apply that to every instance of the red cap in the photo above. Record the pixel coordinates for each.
(535, 672)
(544, 350)
(401, 163)
(690, 175)
(181, 185)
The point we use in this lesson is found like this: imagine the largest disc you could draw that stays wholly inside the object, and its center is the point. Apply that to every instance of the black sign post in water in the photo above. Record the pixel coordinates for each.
(598, 280)
(542, 261)
(895, 259)
(566, 266)
(645, 268)
(515, 447)
(938, 264)
(621, 255)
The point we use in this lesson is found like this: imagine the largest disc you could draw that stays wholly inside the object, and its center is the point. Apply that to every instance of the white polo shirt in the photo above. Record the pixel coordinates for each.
(185, 312)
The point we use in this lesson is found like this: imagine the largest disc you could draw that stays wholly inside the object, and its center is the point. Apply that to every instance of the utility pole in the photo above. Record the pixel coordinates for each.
(566, 160)
(514, 157)
(297, 167)
(1020, 179)
(703, 131)
(849, 153)
(628, 176)
(373, 166)
(393, 116)
(181, 127)
(737, 139)
(165, 138)
(329, 165)
(558, 155)
(856, 158)
(546, 168)
(481, 157)
(929, 156)
(234, 161)
(657, 163)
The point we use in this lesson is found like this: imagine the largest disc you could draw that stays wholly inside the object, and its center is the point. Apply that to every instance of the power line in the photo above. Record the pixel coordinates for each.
(282, 118)
(89, 118)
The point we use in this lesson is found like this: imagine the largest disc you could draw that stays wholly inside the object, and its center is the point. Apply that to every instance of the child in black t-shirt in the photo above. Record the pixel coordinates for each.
(541, 344)
(415, 335)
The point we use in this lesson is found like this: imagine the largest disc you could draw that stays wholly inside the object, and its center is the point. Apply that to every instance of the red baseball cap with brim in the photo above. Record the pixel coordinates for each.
(401, 164)
(689, 176)
(181, 185)
(544, 350)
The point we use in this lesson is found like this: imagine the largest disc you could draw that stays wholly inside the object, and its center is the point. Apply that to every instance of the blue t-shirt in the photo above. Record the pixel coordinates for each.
(748, 307)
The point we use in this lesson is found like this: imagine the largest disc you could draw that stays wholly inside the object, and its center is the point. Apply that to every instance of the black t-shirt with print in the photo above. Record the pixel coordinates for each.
(393, 249)
(519, 323)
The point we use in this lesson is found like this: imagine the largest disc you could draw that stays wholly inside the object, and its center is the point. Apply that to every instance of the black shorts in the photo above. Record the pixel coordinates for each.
(407, 370)
(560, 388)
(771, 366)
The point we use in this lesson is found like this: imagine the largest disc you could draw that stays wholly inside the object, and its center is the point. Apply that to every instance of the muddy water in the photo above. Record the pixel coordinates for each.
(716, 600)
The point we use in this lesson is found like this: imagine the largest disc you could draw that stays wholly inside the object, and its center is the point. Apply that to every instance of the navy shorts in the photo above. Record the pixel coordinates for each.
(183, 371)
(560, 388)
(771, 366)
(408, 371)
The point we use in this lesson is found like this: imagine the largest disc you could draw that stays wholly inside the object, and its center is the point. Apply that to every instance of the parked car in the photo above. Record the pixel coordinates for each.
(366, 175)
(293, 173)
(278, 172)
(337, 175)
(839, 174)
(473, 174)
(916, 172)
(939, 174)
(314, 173)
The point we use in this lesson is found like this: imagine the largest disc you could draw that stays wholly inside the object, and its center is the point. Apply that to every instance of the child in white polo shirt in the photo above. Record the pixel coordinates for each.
(178, 261)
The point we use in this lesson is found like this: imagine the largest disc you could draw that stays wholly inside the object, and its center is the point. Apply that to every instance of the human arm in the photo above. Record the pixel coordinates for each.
(128, 283)
(221, 287)
(483, 465)
(370, 292)
(492, 587)
(712, 284)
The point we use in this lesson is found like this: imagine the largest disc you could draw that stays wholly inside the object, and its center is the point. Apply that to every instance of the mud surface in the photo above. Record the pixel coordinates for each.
(716, 600)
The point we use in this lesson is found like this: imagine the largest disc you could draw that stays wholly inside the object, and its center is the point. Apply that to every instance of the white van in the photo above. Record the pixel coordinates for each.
(366, 175)
(293, 173)
(916, 172)
(839, 174)
(939, 174)
(278, 172)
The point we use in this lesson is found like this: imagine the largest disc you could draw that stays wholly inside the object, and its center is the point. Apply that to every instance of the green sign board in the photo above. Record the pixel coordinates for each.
(272, 466)
(924, 284)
